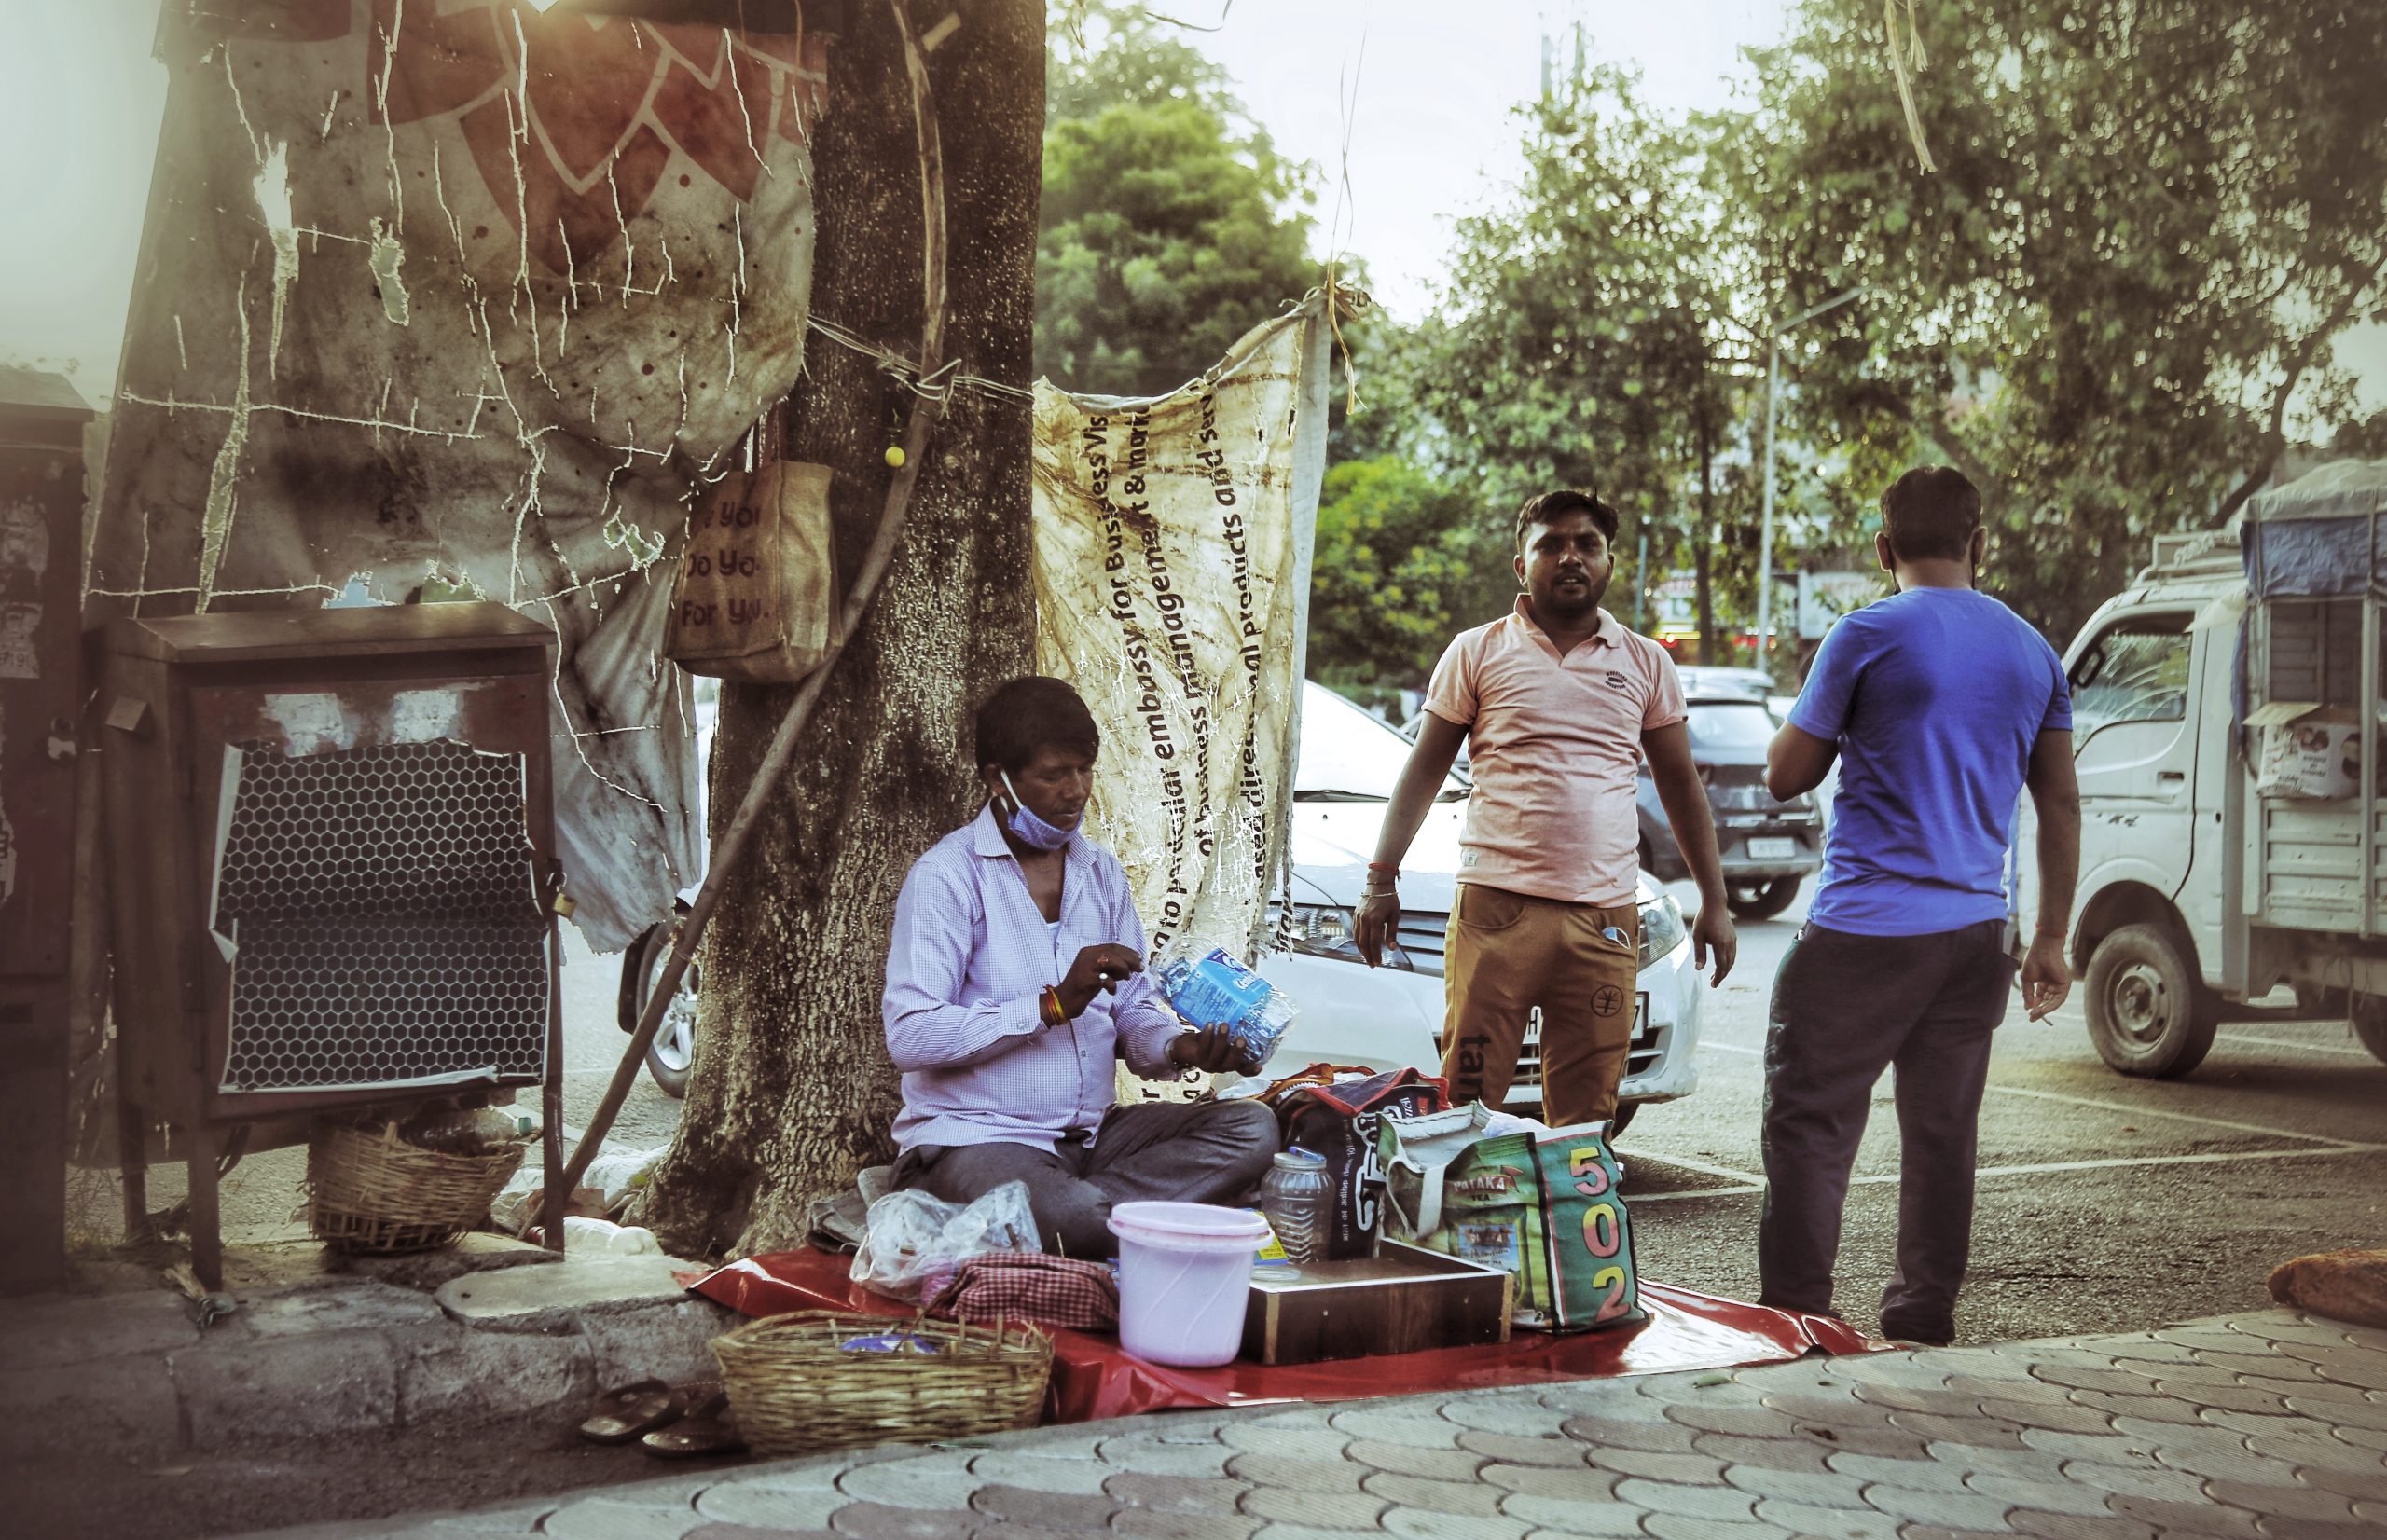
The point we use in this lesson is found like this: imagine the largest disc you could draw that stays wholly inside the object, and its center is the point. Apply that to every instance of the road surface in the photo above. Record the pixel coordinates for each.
(2105, 1203)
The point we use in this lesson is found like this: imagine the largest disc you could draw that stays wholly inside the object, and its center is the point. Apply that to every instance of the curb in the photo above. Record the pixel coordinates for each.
(133, 1374)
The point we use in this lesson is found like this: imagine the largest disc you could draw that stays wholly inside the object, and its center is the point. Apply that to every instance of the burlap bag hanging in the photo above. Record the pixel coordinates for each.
(756, 598)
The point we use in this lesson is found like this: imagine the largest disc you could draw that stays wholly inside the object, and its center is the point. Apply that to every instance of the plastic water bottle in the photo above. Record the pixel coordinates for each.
(1219, 991)
(1295, 1196)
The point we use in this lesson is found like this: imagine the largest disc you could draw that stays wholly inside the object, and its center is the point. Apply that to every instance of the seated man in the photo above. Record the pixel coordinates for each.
(1017, 980)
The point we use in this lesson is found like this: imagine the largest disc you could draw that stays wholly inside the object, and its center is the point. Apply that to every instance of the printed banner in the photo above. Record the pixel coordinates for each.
(1173, 541)
(465, 294)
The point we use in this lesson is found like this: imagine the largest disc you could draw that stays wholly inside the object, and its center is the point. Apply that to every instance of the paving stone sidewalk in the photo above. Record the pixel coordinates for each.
(2239, 1427)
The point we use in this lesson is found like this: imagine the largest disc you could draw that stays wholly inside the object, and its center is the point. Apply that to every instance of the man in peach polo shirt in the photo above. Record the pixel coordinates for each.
(1559, 703)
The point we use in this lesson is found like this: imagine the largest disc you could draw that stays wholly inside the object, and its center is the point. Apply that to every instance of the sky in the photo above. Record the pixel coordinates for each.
(81, 98)
(1432, 123)
(1423, 93)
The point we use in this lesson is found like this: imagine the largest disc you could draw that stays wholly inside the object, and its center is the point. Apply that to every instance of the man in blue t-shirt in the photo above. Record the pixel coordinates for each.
(1941, 706)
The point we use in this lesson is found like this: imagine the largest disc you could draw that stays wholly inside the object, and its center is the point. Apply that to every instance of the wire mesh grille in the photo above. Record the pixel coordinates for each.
(385, 913)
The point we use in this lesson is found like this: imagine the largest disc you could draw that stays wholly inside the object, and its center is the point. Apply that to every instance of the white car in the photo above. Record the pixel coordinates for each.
(1389, 1017)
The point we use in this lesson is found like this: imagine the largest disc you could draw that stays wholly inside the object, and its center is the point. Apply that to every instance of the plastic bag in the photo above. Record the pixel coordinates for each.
(623, 1174)
(604, 1236)
(913, 1243)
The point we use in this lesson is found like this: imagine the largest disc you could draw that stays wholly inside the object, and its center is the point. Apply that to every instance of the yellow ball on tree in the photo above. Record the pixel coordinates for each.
(895, 455)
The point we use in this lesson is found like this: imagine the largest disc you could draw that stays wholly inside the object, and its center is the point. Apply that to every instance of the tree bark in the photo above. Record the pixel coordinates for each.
(792, 1092)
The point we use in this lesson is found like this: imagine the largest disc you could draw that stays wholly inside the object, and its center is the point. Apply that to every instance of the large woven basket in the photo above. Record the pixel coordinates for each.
(794, 1385)
(368, 1190)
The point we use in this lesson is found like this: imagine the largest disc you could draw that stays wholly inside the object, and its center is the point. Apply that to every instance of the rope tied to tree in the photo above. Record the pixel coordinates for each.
(1901, 56)
(936, 385)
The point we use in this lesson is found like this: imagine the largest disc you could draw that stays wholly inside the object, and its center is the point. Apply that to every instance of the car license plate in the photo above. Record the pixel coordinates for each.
(1773, 851)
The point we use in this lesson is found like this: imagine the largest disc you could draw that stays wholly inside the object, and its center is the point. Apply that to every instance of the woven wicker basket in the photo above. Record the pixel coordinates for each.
(795, 1386)
(368, 1190)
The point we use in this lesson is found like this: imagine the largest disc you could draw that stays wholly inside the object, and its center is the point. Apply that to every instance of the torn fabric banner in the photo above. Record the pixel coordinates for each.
(464, 294)
(1173, 543)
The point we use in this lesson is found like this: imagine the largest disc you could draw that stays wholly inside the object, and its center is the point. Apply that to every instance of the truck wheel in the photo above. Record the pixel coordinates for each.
(2148, 1012)
(2371, 1024)
(1761, 900)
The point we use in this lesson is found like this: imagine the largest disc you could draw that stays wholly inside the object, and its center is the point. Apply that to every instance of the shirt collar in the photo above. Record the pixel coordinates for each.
(1608, 635)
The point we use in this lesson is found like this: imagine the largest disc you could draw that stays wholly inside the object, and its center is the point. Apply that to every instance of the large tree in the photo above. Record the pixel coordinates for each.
(1171, 225)
(793, 1092)
(2115, 297)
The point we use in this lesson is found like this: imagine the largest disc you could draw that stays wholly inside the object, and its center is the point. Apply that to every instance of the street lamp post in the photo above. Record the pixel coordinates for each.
(1765, 528)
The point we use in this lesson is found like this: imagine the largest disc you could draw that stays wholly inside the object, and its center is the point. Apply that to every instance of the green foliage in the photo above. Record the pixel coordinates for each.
(2147, 222)
(1169, 224)
(1587, 335)
(2362, 440)
(1403, 563)
(1108, 55)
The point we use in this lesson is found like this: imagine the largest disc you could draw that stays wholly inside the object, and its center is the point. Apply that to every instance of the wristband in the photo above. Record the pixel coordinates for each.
(2046, 935)
(1049, 1008)
(1384, 866)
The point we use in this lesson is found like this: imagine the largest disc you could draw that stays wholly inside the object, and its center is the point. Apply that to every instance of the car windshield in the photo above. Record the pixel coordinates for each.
(1719, 724)
(1347, 755)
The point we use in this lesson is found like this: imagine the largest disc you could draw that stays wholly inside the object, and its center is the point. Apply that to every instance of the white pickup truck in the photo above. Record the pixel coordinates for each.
(2227, 712)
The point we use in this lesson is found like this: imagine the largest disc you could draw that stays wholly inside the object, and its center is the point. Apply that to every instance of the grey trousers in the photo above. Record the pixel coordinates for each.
(1845, 1008)
(1192, 1152)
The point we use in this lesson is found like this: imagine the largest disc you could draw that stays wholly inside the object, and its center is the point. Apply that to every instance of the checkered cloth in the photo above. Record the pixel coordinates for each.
(1017, 1285)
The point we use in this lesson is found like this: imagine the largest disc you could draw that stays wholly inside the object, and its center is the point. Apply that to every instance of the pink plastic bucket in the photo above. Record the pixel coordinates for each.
(1185, 1280)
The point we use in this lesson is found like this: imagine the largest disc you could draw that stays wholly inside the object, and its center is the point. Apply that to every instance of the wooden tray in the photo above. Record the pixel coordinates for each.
(1402, 1299)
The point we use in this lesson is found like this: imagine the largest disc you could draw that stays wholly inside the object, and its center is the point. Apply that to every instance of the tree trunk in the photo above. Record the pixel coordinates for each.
(793, 1092)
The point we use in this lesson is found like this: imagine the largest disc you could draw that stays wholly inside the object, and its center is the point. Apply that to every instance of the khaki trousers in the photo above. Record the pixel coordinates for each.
(1507, 953)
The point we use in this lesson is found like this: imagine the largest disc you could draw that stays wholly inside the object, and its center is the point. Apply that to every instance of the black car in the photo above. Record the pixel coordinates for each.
(1768, 848)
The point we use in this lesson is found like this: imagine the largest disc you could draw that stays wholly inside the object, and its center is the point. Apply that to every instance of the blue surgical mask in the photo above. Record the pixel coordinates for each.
(1027, 827)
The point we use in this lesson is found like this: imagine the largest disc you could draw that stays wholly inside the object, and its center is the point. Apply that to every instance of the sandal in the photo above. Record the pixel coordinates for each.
(623, 1413)
(709, 1428)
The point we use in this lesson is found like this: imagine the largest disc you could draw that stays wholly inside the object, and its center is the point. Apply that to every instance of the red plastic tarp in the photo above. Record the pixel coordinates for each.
(1093, 1377)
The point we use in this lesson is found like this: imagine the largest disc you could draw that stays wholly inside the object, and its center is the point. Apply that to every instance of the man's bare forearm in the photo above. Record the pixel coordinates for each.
(1421, 781)
(2059, 862)
(1412, 796)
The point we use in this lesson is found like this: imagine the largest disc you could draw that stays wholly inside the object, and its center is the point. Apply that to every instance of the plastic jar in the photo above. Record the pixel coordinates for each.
(1297, 1196)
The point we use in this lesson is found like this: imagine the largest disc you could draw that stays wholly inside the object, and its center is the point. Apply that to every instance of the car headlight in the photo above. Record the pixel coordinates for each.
(1662, 927)
(1320, 930)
